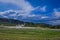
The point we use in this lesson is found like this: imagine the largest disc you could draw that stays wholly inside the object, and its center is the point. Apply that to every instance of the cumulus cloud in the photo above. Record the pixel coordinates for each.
(23, 4)
(25, 9)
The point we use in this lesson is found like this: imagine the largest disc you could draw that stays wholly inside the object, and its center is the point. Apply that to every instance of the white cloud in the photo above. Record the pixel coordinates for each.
(57, 22)
(18, 13)
(25, 9)
(32, 15)
(44, 17)
(5, 16)
(56, 13)
(42, 9)
(23, 4)
(37, 17)
(7, 11)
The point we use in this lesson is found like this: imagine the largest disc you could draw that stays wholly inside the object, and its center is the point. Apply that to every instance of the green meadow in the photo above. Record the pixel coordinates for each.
(28, 34)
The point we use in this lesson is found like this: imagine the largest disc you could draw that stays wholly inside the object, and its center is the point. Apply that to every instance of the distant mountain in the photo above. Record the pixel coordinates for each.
(14, 22)
(6, 21)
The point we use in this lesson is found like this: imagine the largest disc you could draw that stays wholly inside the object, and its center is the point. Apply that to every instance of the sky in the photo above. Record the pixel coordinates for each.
(37, 11)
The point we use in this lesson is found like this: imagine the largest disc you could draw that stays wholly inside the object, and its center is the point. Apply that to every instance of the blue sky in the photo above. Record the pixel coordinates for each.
(45, 11)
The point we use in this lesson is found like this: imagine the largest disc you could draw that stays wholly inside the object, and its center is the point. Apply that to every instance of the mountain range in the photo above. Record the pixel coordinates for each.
(14, 22)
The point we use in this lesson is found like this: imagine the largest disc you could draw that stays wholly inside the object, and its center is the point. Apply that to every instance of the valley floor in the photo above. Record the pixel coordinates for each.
(40, 28)
(28, 34)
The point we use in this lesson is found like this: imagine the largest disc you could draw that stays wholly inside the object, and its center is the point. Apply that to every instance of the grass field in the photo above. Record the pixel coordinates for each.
(28, 34)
